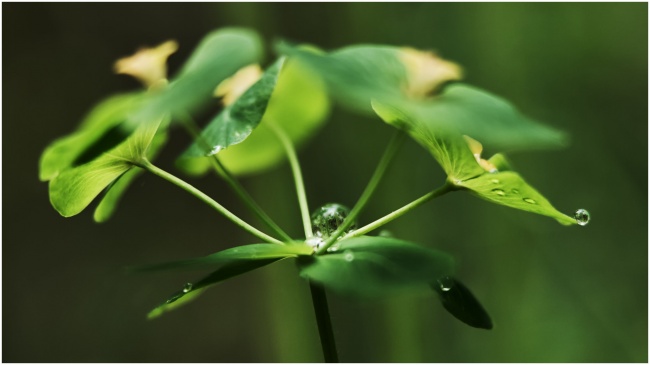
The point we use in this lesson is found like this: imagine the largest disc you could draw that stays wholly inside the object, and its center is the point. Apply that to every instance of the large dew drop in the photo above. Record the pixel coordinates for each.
(187, 288)
(326, 219)
(582, 217)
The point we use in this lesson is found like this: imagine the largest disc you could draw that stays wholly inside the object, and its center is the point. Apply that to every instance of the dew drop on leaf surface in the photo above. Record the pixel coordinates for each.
(348, 256)
(499, 192)
(582, 217)
(326, 219)
(187, 288)
(529, 201)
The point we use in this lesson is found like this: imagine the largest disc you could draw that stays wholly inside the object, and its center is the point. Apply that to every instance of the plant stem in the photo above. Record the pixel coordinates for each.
(393, 146)
(324, 322)
(297, 175)
(401, 211)
(145, 164)
(234, 184)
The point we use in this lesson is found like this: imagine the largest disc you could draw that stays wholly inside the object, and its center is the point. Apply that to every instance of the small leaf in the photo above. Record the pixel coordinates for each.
(461, 303)
(225, 272)
(219, 55)
(257, 251)
(509, 189)
(236, 122)
(73, 189)
(375, 265)
(63, 152)
(108, 204)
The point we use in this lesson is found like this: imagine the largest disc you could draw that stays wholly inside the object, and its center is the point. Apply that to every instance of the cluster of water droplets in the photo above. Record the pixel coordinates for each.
(325, 221)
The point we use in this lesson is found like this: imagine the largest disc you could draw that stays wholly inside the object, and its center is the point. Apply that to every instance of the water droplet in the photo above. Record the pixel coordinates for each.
(386, 233)
(446, 283)
(499, 192)
(515, 191)
(187, 288)
(216, 149)
(334, 248)
(326, 219)
(582, 217)
(315, 242)
(494, 171)
(495, 181)
(530, 201)
(348, 256)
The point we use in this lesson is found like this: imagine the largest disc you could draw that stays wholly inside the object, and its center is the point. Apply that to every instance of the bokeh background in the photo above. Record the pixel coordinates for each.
(556, 294)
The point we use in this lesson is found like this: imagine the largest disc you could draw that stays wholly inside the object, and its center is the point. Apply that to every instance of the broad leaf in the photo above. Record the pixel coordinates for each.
(62, 153)
(109, 201)
(356, 75)
(484, 116)
(257, 251)
(236, 122)
(509, 189)
(298, 105)
(73, 189)
(376, 265)
(218, 56)
(190, 292)
(461, 303)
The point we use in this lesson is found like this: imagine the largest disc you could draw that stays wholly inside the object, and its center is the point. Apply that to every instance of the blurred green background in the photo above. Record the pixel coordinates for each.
(556, 294)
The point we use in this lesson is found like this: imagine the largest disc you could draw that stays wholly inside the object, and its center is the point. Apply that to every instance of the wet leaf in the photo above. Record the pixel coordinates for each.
(236, 122)
(376, 265)
(298, 105)
(461, 303)
(509, 189)
(227, 271)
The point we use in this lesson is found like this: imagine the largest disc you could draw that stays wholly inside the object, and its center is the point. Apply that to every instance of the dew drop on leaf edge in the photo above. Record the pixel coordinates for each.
(187, 288)
(582, 217)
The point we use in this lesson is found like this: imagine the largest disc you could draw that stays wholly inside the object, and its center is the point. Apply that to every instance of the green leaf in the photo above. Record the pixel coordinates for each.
(257, 251)
(236, 122)
(357, 74)
(509, 189)
(298, 105)
(73, 189)
(219, 55)
(448, 148)
(109, 202)
(500, 162)
(376, 265)
(62, 153)
(458, 300)
(486, 117)
(189, 293)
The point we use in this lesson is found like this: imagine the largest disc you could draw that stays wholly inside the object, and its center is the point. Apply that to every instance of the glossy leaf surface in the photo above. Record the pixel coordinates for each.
(236, 122)
(73, 189)
(298, 105)
(258, 251)
(225, 272)
(509, 189)
(376, 265)
(461, 303)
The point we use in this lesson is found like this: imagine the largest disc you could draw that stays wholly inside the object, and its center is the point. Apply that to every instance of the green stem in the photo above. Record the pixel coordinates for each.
(401, 211)
(297, 175)
(145, 164)
(234, 184)
(324, 322)
(393, 146)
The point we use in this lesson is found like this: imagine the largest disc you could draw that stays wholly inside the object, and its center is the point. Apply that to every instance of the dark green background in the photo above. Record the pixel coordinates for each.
(555, 293)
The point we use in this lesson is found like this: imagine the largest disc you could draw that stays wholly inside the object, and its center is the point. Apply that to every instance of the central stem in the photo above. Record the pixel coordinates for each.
(325, 331)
